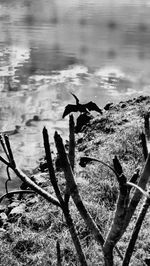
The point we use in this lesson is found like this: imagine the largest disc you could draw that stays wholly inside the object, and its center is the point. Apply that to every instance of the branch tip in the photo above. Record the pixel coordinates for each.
(117, 165)
(44, 130)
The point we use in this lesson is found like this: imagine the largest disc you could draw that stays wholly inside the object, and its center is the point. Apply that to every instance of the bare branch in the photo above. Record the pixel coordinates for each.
(10, 154)
(144, 145)
(84, 160)
(25, 178)
(117, 166)
(60, 203)
(135, 233)
(36, 188)
(3, 145)
(74, 236)
(50, 166)
(135, 176)
(147, 130)
(138, 194)
(71, 153)
(74, 190)
(114, 233)
(146, 125)
(146, 194)
(71, 141)
(120, 176)
(58, 254)
(4, 161)
(125, 210)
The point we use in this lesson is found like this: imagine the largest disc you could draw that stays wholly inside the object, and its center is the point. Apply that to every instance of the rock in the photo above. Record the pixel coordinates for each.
(123, 105)
(80, 140)
(16, 212)
(140, 99)
(24, 186)
(43, 166)
(32, 201)
(13, 205)
(2, 232)
(108, 106)
(7, 226)
(2, 208)
(3, 218)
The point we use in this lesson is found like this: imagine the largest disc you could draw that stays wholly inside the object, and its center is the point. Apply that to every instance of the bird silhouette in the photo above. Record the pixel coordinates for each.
(82, 108)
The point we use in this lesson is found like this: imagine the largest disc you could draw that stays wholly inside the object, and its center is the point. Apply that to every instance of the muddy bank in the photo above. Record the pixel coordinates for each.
(34, 222)
(117, 131)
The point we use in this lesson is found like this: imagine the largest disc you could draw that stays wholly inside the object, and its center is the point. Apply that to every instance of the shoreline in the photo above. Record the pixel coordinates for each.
(35, 222)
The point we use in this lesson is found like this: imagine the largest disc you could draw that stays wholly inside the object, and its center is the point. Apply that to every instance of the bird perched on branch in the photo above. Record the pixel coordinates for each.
(82, 108)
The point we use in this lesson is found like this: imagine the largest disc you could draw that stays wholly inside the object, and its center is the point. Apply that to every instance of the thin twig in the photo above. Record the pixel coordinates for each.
(9, 179)
(146, 194)
(4, 161)
(11, 157)
(85, 159)
(3, 145)
(15, 192)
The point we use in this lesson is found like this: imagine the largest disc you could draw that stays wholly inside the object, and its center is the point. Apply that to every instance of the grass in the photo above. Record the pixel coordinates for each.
(31, 240)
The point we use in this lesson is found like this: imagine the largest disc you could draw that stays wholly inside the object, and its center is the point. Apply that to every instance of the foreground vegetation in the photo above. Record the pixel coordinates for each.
(32, 238)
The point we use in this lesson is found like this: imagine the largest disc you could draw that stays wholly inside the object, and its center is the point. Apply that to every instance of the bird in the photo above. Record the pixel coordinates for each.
(35, 118)
(11, 132)
(82, 108)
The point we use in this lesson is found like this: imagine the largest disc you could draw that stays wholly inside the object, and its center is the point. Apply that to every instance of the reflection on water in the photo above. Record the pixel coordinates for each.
(99, 50)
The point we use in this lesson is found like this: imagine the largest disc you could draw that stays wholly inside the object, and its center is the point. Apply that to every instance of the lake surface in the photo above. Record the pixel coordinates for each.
(99, 50)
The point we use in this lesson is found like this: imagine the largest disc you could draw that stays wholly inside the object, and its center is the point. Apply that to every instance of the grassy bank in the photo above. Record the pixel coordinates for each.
(31, 238)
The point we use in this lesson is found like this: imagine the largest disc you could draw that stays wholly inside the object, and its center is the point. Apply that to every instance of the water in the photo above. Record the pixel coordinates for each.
(99, 50)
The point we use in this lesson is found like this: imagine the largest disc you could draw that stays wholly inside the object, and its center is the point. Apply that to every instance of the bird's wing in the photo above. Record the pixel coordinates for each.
(93, 107)
(76, 98)
(69, 109)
